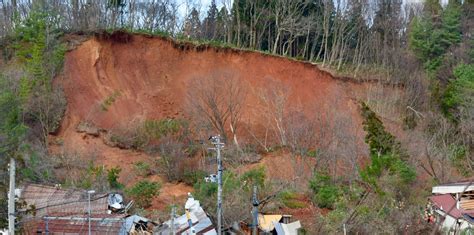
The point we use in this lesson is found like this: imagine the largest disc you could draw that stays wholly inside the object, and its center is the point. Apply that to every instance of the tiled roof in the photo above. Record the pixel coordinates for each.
(447, 203)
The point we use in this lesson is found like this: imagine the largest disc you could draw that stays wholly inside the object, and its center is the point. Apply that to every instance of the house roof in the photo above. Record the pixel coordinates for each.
(201, 223)
(47, 200)
(447, 203)
(265, 222)
(65, 212)
(458, 187)
(469, 217)
(100, 224)
(117, 224)
(287, 229)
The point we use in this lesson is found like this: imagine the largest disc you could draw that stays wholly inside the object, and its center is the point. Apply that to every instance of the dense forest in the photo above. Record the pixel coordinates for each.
(424, 48)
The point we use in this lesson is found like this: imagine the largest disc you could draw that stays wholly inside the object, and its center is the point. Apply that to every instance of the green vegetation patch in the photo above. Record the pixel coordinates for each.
(325, 191)
(163, 127)
(105, 105)
(459, 94)
(386, 153)
(143, 168)
(143, 192)
(430, 40)
(290, 199)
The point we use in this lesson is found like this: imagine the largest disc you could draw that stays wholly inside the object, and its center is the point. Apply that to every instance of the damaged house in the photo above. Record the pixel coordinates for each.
(452, 207)
(193, 221)
(278, 224)
(52, 210)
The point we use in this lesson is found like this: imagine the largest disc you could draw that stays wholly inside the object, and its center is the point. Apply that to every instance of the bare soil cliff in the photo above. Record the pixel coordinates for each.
(149, 78)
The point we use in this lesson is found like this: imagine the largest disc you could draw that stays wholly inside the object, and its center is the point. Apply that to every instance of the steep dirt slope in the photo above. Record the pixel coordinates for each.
(149, 79)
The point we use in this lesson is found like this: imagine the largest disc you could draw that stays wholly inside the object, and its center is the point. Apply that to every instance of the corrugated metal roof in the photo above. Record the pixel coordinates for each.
(287, 229)
(201, 223)
(117, 224)
(104, 224)
(458, 187)
(65, 212)
(43, 200)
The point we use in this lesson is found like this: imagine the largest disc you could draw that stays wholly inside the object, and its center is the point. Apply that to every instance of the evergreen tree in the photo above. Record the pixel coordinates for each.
(432, 8)
(222, 24)
(386, 153)
(387, 28)
(451, 24)
(192, 25)
(424, 42)
(210, 21)
(430, 41)
(387, 20)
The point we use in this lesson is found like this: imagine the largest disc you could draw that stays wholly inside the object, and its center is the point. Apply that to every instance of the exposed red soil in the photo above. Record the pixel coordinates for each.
(152, 77)
(306, 215)
(171, 194)
(285, 168)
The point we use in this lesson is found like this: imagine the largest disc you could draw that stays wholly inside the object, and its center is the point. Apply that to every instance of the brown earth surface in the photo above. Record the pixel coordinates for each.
(151, 77)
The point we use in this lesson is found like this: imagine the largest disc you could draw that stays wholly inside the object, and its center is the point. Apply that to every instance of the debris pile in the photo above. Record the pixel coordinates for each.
(193, 221)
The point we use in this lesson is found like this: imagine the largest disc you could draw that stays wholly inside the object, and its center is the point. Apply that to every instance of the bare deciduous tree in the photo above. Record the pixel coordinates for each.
(289, 18)
(218, 98)
(274, 98)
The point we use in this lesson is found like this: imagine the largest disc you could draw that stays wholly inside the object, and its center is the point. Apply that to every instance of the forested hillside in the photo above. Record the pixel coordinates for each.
(341, 112)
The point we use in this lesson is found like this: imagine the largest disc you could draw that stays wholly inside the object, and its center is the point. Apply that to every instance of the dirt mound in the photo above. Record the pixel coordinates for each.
(112, 82)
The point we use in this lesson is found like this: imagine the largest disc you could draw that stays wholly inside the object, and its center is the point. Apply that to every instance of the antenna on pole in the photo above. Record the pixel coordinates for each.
(216, 141)
(11, 199)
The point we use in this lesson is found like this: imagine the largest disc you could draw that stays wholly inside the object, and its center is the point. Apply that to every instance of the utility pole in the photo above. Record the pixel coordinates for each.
(216, 141)
(89, 208)
(255, 204)
(11, 199)
(46, 225)
(173, 214)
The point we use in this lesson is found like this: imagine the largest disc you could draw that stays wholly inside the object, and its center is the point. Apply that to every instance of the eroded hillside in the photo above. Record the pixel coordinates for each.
(149, 79)
(115, 82)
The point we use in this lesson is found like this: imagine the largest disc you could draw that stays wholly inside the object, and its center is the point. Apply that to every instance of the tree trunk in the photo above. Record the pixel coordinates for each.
(275, 44)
